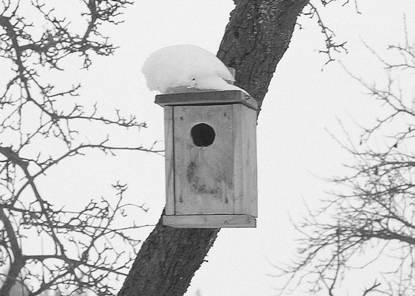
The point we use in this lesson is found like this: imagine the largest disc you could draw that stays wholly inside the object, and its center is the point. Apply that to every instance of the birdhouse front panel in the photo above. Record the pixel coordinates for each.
(211, 173)
(204, 160)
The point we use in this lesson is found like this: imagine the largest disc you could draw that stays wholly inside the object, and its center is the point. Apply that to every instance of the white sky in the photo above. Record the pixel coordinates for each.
(294, 149)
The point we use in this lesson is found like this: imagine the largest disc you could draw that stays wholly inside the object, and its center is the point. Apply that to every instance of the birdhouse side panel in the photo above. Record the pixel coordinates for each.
(169, 159)
(245, 178)
(203, 171)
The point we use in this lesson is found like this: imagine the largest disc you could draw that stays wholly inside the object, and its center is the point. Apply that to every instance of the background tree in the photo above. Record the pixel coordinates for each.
(368, 224)
(43, 124)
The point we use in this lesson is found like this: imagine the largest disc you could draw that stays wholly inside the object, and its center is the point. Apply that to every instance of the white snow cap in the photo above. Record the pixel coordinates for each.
(183, 68)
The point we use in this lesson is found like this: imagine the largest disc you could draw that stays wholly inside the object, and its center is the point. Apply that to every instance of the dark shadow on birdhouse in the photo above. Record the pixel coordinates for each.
(211, 165)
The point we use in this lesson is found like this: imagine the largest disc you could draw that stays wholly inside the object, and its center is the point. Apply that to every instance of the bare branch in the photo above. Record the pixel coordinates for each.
(81, 252)
(370, 216)
(329, 35)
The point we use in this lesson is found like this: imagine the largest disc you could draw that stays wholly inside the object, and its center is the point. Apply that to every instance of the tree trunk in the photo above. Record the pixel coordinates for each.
(255, 40)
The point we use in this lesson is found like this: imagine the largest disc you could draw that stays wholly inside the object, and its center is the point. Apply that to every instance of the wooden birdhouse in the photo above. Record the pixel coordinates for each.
(211, 164)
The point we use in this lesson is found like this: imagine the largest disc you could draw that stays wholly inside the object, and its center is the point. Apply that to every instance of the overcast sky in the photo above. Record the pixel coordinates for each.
(295, 151)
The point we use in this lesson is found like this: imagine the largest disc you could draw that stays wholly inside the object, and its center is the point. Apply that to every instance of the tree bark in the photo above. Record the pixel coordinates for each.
(257, 36)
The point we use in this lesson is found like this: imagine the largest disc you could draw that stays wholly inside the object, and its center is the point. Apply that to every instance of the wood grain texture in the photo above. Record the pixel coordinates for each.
(210, 221)
(169, 159)
(209, 98)
(203, 179)
(245, 163)
(218, 178)
(214, 179)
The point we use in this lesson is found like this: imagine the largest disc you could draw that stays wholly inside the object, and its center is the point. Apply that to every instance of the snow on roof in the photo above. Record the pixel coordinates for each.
(180, 67)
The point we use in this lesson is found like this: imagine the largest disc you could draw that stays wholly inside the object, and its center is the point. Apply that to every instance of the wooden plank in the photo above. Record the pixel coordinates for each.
(245, 164)
(210, 221)
(249, 161)
(169, 159)
(237, 148)
(203, 175)
(207, 98)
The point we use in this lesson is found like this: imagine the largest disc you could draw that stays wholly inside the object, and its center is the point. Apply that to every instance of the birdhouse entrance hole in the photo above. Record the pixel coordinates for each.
(203, 135)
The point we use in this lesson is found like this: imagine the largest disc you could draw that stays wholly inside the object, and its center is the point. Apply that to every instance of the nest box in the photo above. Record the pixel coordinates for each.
(211, 163)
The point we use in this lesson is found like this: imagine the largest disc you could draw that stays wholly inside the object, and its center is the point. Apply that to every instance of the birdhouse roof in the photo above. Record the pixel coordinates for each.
(207, 98)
